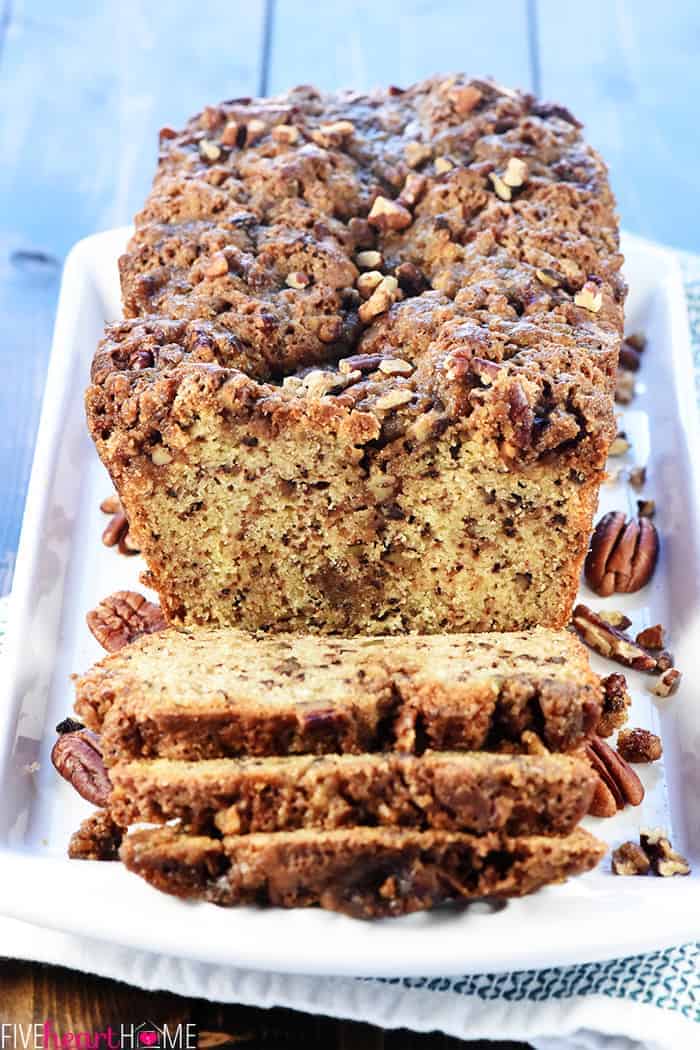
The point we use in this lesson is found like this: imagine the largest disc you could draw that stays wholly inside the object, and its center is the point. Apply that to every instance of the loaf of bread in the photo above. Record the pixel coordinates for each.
(207, 693)
(453, 791)
(364, 872)
(365, 380)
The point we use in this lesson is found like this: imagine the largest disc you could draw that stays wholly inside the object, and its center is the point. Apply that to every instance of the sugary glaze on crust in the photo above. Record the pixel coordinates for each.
(203, 693)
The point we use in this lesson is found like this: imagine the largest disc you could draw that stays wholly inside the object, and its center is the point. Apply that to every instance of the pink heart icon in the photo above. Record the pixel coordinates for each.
(148, 1038)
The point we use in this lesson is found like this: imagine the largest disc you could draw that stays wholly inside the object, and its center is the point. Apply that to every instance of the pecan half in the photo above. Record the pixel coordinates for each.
(622, 556)
(617, 776)
(116, 534)
(77, 757)
(630, 859)
(639, 745)
(611, 642)
(616, 701)
(664, 859)
(123, 617)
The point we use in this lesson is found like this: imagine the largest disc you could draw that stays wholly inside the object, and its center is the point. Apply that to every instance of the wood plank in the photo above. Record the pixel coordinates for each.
(629, 70)
(362, 44)
(30, 993)
(85, 88)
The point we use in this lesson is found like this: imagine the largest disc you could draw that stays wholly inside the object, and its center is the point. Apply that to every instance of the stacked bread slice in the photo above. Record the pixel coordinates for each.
(375, 776)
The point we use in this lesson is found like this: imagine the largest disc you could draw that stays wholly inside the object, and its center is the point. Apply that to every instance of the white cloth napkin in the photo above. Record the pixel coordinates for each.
(649, 1002)
(646, 1002)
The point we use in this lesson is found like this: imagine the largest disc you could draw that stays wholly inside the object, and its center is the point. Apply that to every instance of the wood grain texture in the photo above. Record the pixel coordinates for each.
(629, 69)
(84, 88)
(31, 993)
(363, 44)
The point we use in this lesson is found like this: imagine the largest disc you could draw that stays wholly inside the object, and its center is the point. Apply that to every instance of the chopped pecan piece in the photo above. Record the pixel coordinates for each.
(548, 277)
(637, 340)
(630, 859)
(664, 859)
(123, 617)
(501, 189)
(369, 260)
(416, 153)
(411, 280)
(625, 387)
(590, 297)
(368, 281)
(97, 838)
(386, 214)
(77, 756)
(111, 504)
(652, 637)
(616, 701)
(516, 172)
(464, 98)
(631, 352)
(619, 778)
(521, 416)
(443, 165)
(646, 508)
(611, 642)
(639, 745)
(638, 477)
(622, 555)
(413, 189)
(668, 683)
(620, 444)
(630, 356)
(360, 363)
(384, 295)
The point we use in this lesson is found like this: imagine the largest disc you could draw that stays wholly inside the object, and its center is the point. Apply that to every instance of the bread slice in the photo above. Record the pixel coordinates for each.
(364, 872)
(203, 693)
(474, 792)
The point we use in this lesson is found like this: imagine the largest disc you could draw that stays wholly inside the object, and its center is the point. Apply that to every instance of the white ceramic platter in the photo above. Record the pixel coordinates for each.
(63, 570)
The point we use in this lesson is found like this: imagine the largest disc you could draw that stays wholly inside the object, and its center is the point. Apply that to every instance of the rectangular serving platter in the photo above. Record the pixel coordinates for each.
(63, 570)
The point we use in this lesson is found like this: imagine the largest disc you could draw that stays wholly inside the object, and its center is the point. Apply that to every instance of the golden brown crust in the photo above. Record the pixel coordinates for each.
(364, 872)
(324, 287)
(215, 693)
